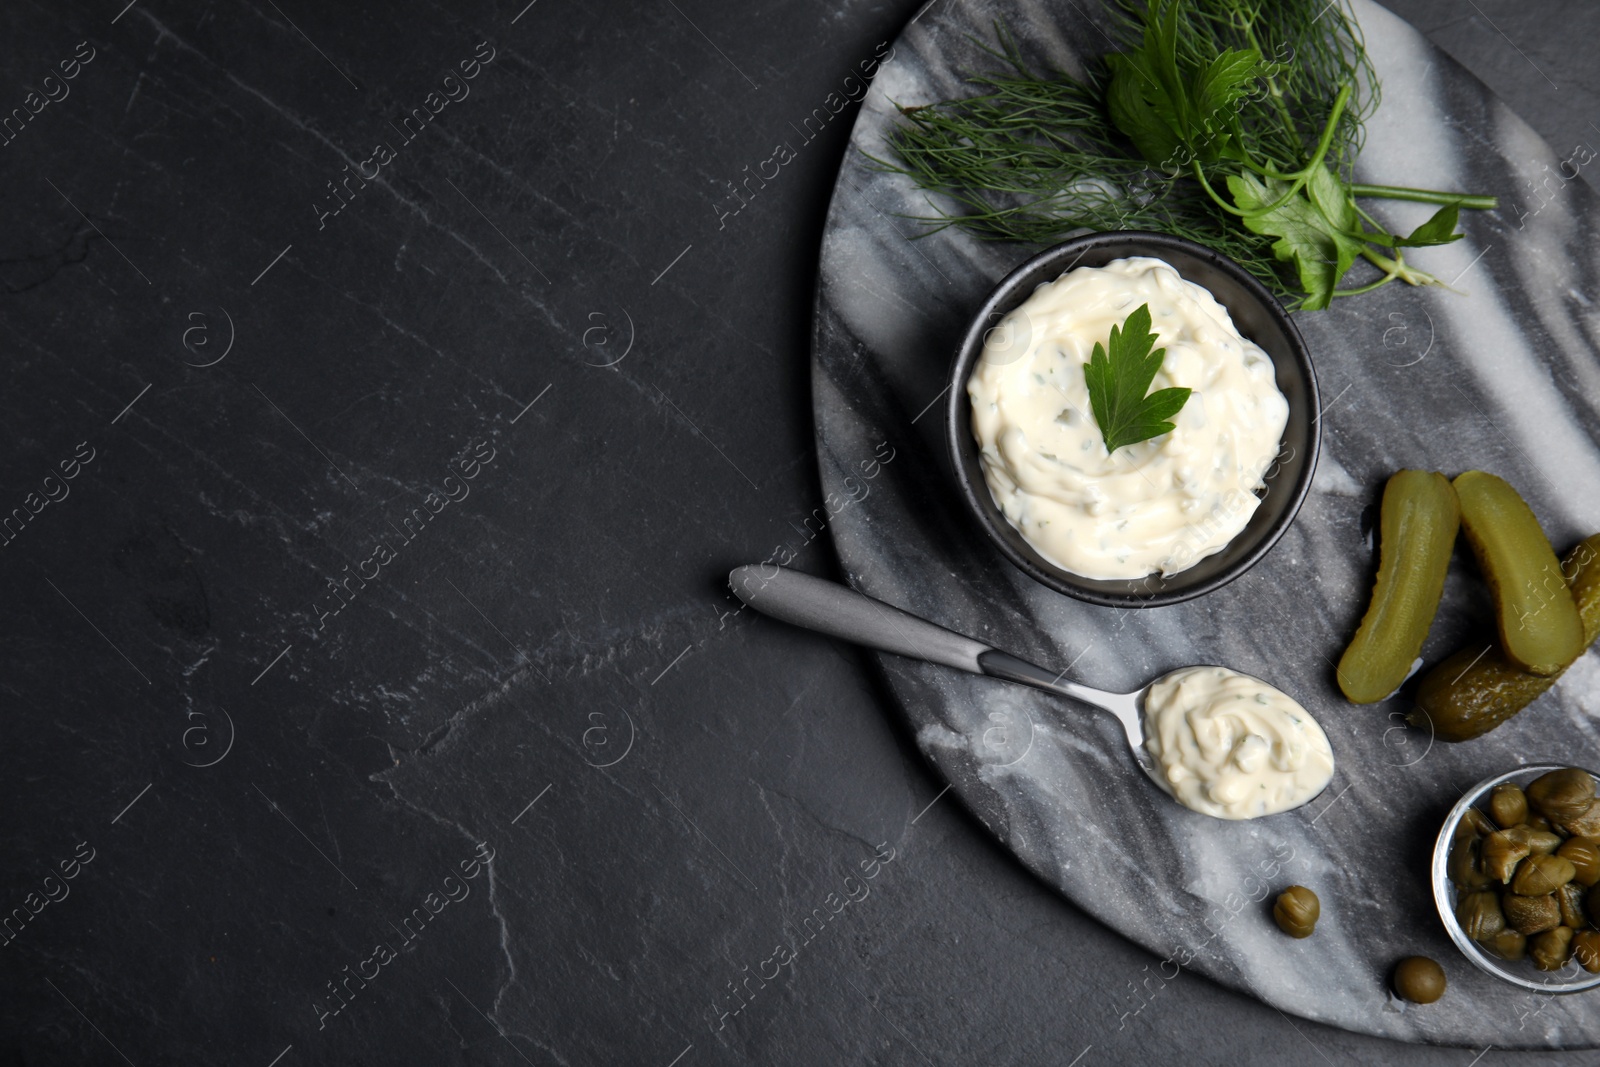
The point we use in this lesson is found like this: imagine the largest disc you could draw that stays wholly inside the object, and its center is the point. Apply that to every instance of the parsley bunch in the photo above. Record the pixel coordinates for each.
(1191, 127)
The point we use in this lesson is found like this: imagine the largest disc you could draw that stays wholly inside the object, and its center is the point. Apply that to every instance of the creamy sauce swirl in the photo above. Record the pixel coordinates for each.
(1232, 746)
(1160, 505)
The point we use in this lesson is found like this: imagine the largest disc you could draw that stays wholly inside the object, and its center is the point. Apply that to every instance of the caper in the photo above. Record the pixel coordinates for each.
(1503, 850)
(1591, 905)
(1586, 950)
(1550, 950)
(1508, 805)
(1563, 794)
(1476, 821)
(1296, 911)
(1419, 980)
(1508, 945)
(1466, 862)
(1534, 915)
(1538, 875)
(1584, 825)
(1570, 899)
(1543, 842)
(1584, 852)
(1479, 914)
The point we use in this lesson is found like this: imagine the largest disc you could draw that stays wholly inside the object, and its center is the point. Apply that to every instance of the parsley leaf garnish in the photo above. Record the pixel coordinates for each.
(1438, 230)
(1313, 230)
(1118, 381)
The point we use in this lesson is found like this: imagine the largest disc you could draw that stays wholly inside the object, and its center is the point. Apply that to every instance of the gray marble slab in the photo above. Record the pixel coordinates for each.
(1502, 378)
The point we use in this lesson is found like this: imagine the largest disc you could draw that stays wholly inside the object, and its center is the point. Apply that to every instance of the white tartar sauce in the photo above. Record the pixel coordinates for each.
(1232, 746)
(1159, 505)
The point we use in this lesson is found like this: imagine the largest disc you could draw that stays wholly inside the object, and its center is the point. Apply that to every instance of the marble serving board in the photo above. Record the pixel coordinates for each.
(1502, 378)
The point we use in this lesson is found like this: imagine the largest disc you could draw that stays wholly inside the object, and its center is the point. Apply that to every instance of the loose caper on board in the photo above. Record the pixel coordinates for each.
(1419, 980)
(1296, 911)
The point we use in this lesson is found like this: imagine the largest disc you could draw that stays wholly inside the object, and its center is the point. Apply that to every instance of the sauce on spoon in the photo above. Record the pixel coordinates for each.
(1232, 746)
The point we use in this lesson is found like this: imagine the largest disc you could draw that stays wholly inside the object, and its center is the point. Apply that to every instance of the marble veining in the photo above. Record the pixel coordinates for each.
(1500, 378)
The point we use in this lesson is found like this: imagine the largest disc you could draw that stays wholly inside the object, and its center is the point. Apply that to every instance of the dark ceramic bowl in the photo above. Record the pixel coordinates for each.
(1256, 314)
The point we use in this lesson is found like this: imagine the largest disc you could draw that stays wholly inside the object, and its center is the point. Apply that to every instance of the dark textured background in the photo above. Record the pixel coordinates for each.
(551, 667)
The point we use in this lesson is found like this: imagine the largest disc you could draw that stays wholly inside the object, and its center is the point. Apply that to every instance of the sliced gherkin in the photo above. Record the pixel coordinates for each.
(1418, 523)
(1534, 611)
(1478, 688)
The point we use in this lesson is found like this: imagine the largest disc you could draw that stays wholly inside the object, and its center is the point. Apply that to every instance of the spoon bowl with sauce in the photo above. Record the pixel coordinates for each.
(1217, 741)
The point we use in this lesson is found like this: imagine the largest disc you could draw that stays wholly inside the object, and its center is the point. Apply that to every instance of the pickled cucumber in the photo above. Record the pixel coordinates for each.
(1534, 611)
(1478, 688)
(1418, 529)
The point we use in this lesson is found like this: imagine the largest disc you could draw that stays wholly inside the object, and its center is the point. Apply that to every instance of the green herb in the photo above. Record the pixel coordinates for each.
(1119, 380)
(1190, 127)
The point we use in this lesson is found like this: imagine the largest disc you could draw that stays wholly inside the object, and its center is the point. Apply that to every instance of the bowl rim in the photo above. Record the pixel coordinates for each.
(958, 439)
(1444, 890)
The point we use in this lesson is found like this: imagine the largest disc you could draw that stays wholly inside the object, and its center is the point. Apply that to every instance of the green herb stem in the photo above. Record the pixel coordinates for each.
(1272, 81)
(1426, 196)
(1392, 269)
(1358, 290)
(1298, 179)
(1200, 176)
(1323, 144)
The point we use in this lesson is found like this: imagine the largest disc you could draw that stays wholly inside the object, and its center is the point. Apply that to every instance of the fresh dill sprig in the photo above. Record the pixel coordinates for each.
(1233, 123)
(1034, 159)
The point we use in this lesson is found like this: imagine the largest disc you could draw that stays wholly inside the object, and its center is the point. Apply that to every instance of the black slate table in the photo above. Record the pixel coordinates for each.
(387, 393)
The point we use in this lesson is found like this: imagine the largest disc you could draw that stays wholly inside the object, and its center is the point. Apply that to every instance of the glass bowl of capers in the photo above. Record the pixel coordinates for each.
(1516, 876)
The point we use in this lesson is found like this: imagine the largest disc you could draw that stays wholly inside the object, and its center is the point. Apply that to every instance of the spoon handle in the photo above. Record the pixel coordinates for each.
(839, 611)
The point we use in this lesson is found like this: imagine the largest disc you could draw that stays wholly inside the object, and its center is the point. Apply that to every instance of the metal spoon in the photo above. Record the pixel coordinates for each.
(836, 610)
